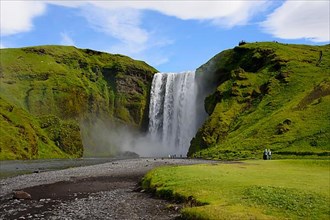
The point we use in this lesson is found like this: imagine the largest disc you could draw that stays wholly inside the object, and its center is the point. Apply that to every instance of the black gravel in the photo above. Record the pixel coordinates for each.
(104, 191)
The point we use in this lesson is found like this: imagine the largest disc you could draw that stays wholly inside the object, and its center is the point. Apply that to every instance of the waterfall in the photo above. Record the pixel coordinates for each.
(172, 112)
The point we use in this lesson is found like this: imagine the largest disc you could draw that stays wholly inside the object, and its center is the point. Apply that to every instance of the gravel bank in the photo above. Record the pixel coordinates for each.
(104, 191)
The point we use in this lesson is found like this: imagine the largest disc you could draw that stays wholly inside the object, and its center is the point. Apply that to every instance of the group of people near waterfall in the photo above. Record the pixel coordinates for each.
(267, 154)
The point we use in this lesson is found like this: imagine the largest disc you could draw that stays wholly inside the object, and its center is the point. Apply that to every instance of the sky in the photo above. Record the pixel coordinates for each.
(172, 36)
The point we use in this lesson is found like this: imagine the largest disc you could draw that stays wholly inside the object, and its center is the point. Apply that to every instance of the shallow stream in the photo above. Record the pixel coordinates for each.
(10, 168)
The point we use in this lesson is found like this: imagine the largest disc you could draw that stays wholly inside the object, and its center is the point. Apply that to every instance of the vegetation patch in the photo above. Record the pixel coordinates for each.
(255, 189)
(266, 95)
(287, 200)
(63, 86)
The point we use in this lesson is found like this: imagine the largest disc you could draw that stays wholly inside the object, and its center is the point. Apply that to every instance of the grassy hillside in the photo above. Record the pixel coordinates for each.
(46, 91)
(268, 95)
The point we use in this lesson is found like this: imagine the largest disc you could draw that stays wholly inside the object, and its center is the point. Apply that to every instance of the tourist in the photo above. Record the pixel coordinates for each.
(269, 154)
(265, 156)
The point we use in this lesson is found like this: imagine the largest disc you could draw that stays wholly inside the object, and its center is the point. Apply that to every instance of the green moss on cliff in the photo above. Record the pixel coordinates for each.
(72, 85)
(22, 137)
(65, 134)
(269, 95)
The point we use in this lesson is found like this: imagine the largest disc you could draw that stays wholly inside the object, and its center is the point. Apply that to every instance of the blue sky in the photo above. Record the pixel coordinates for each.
(172, 36)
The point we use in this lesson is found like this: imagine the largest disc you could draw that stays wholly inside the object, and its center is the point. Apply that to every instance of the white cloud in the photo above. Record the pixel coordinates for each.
(66, 39)
(65, 3)
(194, 9)
(123, 24)
(225, 13)
(17, 16)
(300, 19)
(2, 46)
(123, 20)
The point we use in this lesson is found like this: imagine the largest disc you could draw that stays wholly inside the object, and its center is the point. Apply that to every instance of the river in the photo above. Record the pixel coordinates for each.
(9, 168)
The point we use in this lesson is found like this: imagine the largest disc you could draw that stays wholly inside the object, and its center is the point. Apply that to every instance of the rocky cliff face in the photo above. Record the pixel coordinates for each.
(266, 95)
(48, 91)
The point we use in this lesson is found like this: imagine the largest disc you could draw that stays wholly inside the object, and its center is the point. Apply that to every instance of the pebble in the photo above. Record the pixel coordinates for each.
(119, 203)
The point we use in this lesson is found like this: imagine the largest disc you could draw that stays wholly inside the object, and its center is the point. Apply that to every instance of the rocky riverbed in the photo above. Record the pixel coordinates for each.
(104, 191)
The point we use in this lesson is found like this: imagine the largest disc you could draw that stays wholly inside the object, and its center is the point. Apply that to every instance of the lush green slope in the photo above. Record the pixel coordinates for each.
(46, 91)
(268, 95)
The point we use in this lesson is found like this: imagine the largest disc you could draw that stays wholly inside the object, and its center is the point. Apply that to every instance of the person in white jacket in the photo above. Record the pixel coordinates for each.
(269, 155)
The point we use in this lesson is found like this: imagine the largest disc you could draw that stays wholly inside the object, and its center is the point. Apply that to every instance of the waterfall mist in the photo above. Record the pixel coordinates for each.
(107, 138)
(176, 111)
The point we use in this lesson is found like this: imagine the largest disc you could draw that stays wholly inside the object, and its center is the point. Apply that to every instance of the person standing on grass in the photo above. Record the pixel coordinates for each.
(265, 155)
(269, 154)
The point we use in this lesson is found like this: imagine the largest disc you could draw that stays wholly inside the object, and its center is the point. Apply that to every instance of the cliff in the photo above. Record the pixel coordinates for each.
(47, 92)
(266, 95)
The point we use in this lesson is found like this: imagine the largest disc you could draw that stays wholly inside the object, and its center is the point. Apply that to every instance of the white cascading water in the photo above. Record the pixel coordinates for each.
(172, 112)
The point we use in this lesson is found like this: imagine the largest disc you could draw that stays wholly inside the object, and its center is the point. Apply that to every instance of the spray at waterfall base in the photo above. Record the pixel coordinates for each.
(174, 118)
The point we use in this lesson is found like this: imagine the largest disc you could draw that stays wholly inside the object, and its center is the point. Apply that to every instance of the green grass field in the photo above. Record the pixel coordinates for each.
(254, 189)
